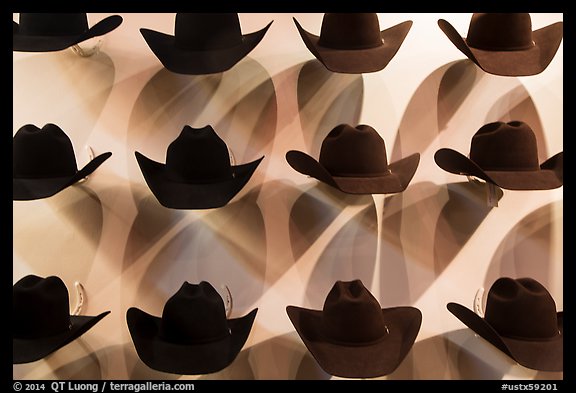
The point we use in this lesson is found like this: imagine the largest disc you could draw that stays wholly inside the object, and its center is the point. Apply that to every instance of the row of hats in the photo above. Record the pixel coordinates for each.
(352, 336)
(498, 43)
(198, 173)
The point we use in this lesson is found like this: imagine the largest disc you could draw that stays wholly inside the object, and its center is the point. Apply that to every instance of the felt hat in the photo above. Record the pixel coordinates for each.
(41, 320)
(45, 32)
(352, 336)
(521, 320)
(354, 160)
(43, 162)
(203, 43)
(505, 44)
(193, 335)
(197, 173)
(505, 154)
(353, 42)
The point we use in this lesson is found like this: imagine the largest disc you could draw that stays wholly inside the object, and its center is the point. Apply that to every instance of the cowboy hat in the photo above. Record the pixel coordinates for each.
(41, 320)
(197, 173)
(203, 43)
(352, 336)
(505, 154)
(520, 320)
(504, 43)
(44, 32)
(193, 335)
(353, 43)
(43, 162)
(353, 160)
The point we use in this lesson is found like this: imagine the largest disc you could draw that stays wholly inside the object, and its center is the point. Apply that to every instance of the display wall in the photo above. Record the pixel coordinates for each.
(285, 238)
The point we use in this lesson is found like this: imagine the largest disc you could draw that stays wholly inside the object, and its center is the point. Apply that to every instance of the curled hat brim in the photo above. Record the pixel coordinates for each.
(199, 62)
(178, 195)
(549, 176)
(545, 355)
(186, 358)
(358, 361)
(29, 350)
(24, 189)
(356, 61)
(527, 62)
(400, 174)
(37, 43)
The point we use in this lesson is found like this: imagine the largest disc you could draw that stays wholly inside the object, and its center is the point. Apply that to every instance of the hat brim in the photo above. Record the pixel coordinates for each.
(36, 43)
(359, 361)
(511, 63)
(357, 61)
(544, 355)
(401, 173)
(31, 350)
(549, 176)
(186, 359)
(176, 195)
(199, 62)
(24, 189)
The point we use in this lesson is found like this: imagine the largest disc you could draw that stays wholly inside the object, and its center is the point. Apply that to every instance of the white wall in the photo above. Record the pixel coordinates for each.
(285, 239)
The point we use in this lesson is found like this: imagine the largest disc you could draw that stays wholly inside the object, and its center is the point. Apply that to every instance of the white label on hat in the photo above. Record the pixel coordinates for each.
(492, 195)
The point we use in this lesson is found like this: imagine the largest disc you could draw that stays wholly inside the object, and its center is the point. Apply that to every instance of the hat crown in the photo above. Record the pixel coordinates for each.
(198, 155)
(349, 151)
(194, 314)
(40, 307)
(521, 308)
(196, 31)
(352, 315)
(503, 146)
(42, 153)
(45, 24)
(500, 31)
(350, 31)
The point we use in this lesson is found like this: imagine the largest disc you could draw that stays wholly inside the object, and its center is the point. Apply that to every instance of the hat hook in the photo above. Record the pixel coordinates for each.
(228, 303)
(90, 153)
(87, 48)
(478, 309)
(79, 298)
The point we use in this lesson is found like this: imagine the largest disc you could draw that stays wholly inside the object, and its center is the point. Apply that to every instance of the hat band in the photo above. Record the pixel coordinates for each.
(195, 340)
(33, 335)
(524, 338)
(371, 174)
(502, 48)
(358, 343)
(508, 169)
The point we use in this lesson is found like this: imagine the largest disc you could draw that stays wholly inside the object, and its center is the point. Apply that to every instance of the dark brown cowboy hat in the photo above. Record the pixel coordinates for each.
(352, 336)
(520, 320)
(203, 43)
(193, 335)
(354, 160)
(504, 43)
(197, 173)
(43, 162)
(353, 43)
(45, 32)
(505, 154)
(41, 320)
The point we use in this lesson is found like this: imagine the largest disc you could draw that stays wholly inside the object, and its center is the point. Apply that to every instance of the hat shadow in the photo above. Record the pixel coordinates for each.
(240, 104)
(85, 364)
(412, 257)
(325, 100)
(200, 248)
(528, 250)
(59, 235)
(81, 85)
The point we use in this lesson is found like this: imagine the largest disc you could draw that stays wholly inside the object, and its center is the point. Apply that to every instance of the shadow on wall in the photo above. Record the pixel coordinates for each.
(226, 246)
(80, 84)
(59, 235)
(325, 100)
(240, 104)
(528, 250)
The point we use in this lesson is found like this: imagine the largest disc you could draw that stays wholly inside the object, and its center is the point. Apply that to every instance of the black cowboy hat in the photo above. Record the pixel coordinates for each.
(44, 32)
(203, 43)
(193, 335)
(41, 320)
(43, 162)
